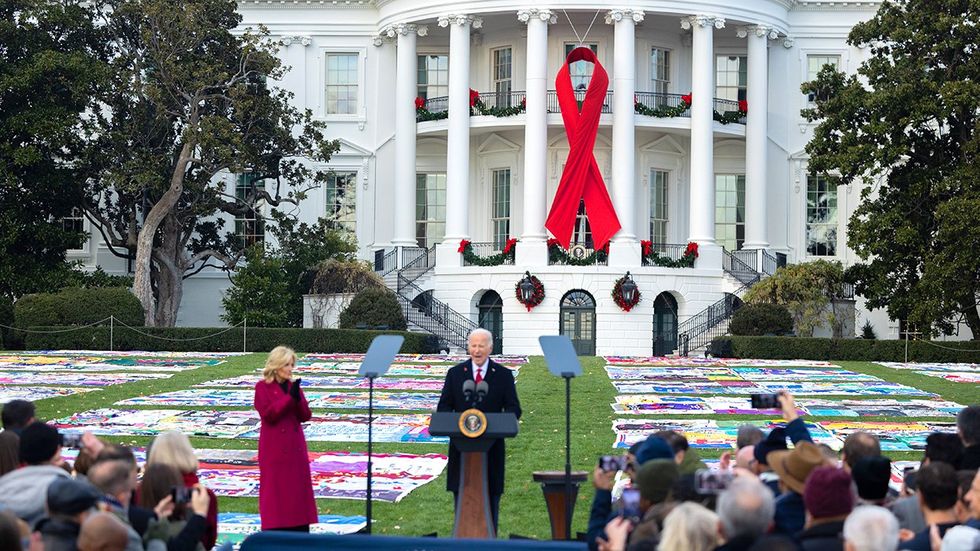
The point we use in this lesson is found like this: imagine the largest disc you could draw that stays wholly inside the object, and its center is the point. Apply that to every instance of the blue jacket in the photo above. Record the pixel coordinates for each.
(599, 517)
(790, 514)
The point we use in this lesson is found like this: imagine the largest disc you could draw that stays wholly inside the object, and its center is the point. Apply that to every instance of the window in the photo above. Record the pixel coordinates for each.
(580, 71)
(430, 208)
(658, 206)
(74, 222)
(249, 225)
(582, 235)
(815, 64)
(731, 77)
(433, 76)
(342, 84)
(821, 216)
(730, 210)
(659, 71)
(341, 202)
(502, 70)
(500, 218)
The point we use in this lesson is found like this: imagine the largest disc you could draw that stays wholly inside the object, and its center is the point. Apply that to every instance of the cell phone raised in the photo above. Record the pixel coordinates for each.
(71, 440)
(764, 401)
(612, 463)
(707, 481)
(629, 505)
(180, 494)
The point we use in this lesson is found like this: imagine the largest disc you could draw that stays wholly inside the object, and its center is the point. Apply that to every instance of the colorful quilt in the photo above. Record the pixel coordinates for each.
(880, 407)
(847, 388)
(86, 363)
(334, 382)
(797, 374)
(701, 433)
(318, 400)
(646, 404)
(350, 369)
(970, 377)
(138, 353)
(235, 527)
(507, 359)
(666, 361)
(35, 393)
(893, 436)
(75, 379)
(915, 366)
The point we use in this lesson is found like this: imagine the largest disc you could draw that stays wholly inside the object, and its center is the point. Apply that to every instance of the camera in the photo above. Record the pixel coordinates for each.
(707, 481)
(764, 401)
(629, 505)
(71, 439)
(180, 494)
(612, 463)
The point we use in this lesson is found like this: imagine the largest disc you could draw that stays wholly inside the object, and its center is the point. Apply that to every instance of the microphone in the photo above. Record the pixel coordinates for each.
(469, 388)
(481, 391)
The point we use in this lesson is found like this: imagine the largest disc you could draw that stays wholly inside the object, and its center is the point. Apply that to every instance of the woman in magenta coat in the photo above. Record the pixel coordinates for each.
(285, 488)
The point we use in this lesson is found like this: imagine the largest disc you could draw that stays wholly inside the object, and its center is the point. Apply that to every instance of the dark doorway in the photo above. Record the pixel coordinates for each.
(492, 318)
(664, 324)
(578, 321)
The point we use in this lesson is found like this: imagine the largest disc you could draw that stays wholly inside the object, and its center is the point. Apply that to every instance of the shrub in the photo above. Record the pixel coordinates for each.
(259, 291)
(373, 308)
(335, 276)
(868, 331)
(808, 291)
(6, 321)
(761, 319)
(78, 306)
(214, 339)
(799, 348)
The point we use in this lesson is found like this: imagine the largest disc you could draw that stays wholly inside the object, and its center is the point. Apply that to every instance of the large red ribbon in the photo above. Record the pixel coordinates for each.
(581, 178)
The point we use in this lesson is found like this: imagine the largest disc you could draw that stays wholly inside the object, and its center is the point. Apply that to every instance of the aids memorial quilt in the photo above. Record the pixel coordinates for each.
(892, 436)
(970, 377)
(35, 393)
(337, 382)
(318, 400)
(852, 388)
(75, 379)
(916, 366)
(646, 404)
(666, 361)
(235, 527)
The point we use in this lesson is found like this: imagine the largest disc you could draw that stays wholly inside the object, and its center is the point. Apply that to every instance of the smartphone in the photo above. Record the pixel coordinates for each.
(71, 439)
(612, 463)
(764, 401)
(708, 482)
(180, 494)
(629, 505)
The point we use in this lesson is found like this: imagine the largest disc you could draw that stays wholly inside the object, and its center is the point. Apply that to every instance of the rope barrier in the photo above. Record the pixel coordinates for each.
(930, 343)
(79, 328)
(223, 331)
(114, 319)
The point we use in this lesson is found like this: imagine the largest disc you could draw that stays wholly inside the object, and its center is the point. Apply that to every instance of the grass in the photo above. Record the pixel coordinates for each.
(539, 446)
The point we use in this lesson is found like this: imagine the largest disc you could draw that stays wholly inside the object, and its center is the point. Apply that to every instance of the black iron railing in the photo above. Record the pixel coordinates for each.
(437, 105)
(579, 254)
(416, 261)
(670, 251)
(553, 107)
(697, 331)
(502, 100)
(769, 263)
(740, 270)
(432, 315)
(385, 262)
(489, 249)
(655, 100)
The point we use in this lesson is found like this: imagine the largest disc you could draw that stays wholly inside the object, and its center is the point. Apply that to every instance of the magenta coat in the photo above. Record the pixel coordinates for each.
(285, 487)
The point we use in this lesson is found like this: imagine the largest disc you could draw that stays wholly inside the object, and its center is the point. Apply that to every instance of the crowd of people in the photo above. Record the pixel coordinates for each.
(768, 496)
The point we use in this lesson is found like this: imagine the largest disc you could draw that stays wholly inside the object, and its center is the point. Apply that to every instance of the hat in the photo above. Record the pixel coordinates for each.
(635, 448)
(871, 475)
(828, 493)
(775, 441)
(656, 478)
(654, 448)
(794, 466)
(67, 496)
(38, 443)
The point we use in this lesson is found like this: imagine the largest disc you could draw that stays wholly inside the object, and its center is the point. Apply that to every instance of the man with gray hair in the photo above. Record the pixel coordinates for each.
(489, 388)
(745, 512)
(870, 528)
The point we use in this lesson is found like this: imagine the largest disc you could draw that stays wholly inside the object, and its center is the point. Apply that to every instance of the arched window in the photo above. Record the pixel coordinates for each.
(492, 318)
(577, 320)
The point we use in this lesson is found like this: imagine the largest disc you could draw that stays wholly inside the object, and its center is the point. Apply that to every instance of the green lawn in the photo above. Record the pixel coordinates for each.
(539, 446)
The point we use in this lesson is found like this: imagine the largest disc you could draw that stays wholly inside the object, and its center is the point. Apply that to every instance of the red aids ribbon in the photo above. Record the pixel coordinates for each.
(581, 178)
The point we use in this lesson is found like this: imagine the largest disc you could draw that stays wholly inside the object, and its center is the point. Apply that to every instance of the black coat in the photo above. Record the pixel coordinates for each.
(501, 397)
(822, 537)
(971, 458)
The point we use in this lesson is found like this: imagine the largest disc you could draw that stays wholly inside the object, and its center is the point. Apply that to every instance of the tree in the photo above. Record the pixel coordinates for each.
(51, 65)
(259, 292)
(905, 129)
(808, 290)
(189, 107)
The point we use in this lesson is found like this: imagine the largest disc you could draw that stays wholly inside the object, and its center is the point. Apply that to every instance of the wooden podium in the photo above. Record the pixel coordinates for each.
(473, 432)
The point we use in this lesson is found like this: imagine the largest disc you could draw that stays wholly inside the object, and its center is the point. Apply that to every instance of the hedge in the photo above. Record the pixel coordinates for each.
(78, 306)
(800, 348)
(260, 339)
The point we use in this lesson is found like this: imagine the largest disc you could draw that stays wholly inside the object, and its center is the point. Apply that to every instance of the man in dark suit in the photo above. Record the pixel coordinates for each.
(501, 396)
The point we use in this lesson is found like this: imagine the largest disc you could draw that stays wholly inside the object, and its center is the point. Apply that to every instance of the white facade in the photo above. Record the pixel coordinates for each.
(356, 65)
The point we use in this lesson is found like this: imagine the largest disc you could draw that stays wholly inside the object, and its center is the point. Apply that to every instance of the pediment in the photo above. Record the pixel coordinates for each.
(665, 144)
(496, 144)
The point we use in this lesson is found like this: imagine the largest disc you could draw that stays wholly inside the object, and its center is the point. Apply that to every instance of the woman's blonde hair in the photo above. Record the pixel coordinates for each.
(689, 527)
(173, 448)
(279, 357)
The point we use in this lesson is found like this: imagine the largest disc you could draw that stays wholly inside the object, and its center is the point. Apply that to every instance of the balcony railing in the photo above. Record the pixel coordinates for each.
(487, 250)
(670, 251)
(578, 254)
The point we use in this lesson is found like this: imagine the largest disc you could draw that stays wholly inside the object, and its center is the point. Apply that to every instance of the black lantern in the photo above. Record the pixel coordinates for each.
(628, 289)
(527, 287)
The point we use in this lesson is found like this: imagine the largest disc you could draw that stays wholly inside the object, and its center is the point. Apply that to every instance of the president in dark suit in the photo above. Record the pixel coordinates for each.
(501, 396)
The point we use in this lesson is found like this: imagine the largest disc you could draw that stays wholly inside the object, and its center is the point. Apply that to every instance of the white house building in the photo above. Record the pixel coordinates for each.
(411, 181)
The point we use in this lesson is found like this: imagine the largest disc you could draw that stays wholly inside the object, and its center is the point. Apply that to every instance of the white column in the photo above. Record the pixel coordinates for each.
(458, 149)
(625, 249)
(702, 200)
(532, 249)
(756, 136)
(406, 89)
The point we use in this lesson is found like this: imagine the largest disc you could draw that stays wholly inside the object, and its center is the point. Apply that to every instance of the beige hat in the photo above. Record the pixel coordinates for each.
(793, 466)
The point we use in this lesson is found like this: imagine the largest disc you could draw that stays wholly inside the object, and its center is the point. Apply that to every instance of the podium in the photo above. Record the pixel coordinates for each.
(473, 432)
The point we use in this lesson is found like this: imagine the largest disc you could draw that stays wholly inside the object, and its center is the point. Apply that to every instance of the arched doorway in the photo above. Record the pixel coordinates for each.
(664, 324)
(491, 318)
(578, 321)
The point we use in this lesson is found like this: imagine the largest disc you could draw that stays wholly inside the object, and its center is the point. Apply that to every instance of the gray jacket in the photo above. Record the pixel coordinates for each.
(25, 491)
(909, 515)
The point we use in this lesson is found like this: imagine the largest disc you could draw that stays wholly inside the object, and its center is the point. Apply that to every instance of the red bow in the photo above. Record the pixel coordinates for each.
(463, 243)
(581, 178)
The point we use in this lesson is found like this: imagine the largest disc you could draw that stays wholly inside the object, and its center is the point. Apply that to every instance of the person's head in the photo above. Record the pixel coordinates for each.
(870, 528)
(279, 365)
(71, 499)
(973, 497)
(937, 487)
(652, 448)
(943, 446)
(479, 344)
(827, 494)
(677, 442)
(82, 464)
(9, 452)
(10, 531)
(40, 444)
(746, 508)
(745, 457)
(961, 538)
(158, 480)
(793, 466)
(968, 425)
(871, 476)
(174, 448)
(748, 435)
(113, 452)
(102, 532)
(17, 414)
(114, 478)
(963, 507)
(857, 445)
(654, 480)
(774, 441)
(690, 527)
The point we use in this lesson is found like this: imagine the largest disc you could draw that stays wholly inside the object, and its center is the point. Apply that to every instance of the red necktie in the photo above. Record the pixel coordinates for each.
(479, 375)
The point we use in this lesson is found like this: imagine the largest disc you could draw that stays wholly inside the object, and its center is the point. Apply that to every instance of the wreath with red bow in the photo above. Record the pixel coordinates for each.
(537, 297)
(617, 295)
